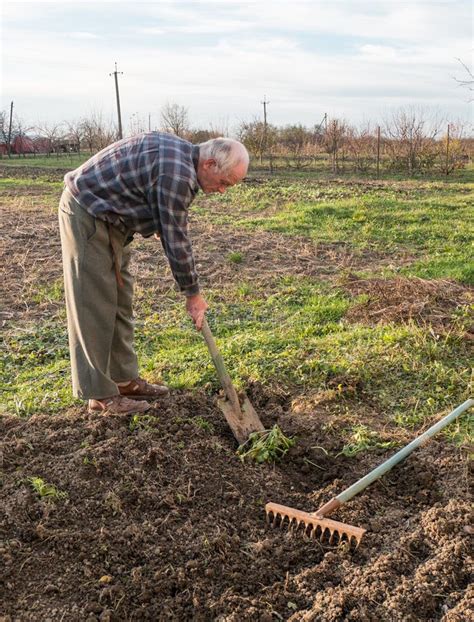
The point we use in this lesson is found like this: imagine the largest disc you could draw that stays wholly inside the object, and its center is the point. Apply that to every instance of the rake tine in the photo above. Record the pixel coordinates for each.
(311, 525)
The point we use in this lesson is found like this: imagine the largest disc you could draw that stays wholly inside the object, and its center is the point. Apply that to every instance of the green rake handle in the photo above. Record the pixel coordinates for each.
(361, 484)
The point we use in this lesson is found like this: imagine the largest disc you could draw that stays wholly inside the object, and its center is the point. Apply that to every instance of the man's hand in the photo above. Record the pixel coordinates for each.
(196, 307)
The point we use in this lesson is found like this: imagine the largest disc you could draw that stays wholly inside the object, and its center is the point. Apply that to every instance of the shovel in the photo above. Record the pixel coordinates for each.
(241, 416)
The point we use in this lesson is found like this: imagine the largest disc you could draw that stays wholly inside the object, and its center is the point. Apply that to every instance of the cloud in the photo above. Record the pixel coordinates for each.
(82, 35)
(150, 30)
(354, 59)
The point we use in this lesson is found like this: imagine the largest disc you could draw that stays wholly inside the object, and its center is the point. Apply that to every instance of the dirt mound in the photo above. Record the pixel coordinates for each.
(163, 522)
(434, 302)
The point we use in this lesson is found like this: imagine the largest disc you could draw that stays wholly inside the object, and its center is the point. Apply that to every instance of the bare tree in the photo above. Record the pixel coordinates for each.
(411, 140)
(334, 139)
(4, 129)
(452, 151)
(468, 81)
(75, 134)
(297, 145)
(252, 134)
(220, 127)
(362, 147)
(51, 132)
(136, 124)
(97, 133)
(18, 138)
(175, 119)
(199, 135)
(8, 134)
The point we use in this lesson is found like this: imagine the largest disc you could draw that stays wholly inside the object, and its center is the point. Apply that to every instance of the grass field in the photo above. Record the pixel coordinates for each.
(290, 328)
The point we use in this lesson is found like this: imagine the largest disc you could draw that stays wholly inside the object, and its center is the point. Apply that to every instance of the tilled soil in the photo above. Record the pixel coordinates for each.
(162, 521)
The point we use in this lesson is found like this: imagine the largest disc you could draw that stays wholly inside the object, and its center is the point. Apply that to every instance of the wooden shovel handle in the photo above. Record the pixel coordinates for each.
(224, 377)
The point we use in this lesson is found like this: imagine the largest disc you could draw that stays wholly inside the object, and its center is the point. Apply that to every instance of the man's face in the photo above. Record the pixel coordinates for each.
(212, 180)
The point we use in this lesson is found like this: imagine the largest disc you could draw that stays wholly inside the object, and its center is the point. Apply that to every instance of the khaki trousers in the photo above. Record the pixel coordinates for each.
(99, 312)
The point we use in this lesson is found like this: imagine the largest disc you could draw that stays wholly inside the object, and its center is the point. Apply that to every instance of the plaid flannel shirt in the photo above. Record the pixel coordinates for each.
(145, 183)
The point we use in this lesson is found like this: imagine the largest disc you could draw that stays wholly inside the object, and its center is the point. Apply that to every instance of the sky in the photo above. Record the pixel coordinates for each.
(360, 60)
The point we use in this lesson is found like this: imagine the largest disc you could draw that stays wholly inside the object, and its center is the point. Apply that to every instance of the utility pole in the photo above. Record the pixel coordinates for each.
(149, 121)
(115, 73)
(9, 146)
(264, 146)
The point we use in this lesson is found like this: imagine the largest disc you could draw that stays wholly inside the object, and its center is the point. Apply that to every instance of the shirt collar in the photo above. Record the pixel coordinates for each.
(195, 156)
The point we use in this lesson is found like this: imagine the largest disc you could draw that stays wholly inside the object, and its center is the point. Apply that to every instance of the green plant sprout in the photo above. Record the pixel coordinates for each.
(141, 422)
(235, 257)
(363, 439)
(203, 424)
(48, 492)
(266, 446)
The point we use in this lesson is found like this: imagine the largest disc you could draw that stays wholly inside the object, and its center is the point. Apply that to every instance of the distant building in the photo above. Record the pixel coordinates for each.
(21, 144)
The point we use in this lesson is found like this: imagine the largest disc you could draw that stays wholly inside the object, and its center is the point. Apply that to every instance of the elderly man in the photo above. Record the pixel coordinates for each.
(145, 185)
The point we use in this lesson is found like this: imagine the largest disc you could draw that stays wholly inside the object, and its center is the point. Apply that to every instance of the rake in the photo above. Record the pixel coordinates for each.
(316, 525)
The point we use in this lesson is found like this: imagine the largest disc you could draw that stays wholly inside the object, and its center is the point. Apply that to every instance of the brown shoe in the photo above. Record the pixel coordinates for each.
(117, 405)
(140, 389)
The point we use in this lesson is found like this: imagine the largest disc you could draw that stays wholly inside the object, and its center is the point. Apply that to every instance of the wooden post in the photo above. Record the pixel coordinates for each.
(378, 151)
(447, 152)
(264, 145)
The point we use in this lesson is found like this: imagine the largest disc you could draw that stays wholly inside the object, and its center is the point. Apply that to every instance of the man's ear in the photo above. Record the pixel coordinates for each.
(209, 164)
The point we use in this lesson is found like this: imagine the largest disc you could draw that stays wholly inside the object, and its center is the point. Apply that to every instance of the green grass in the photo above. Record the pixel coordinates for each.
(430, 221)
(297, 339)
(49, 292)
(41, 183)
(292, 334)
(71, 161)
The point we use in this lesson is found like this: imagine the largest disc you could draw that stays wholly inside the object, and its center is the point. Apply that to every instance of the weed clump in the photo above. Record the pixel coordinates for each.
(266, 446)
(142, 422)
(364, 439)
(235, 257)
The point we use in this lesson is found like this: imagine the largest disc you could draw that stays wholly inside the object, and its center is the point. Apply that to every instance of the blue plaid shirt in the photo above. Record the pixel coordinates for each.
(145, 183)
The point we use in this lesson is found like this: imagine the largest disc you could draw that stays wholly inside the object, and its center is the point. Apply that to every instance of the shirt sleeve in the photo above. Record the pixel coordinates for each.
(174, 195)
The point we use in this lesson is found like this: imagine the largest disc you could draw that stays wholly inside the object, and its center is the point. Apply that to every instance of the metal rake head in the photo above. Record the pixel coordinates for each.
(312, 525)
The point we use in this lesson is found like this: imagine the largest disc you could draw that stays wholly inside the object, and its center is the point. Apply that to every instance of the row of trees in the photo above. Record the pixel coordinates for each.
(92, 134)
(409, 141)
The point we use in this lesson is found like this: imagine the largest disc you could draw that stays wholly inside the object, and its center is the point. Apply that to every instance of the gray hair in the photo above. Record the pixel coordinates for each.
(227, 152)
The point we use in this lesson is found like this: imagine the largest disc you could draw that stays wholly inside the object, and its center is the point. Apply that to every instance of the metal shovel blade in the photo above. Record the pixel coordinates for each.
(242, 424)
